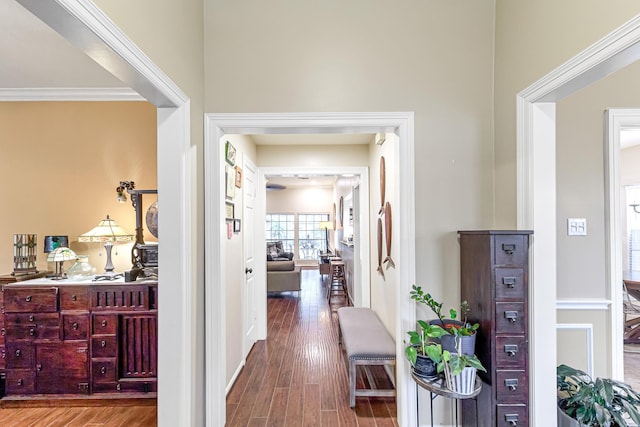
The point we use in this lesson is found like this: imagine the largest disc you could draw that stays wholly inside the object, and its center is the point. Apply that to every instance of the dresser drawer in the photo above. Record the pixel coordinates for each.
(31, 319)
(75, 326)
(512, 416)
(127, 386)
(30, 300)
(509, 283)
(105, 324)
(510, 318)
(74, 298)
(20, 381)
(511, 351)
(104, 346)
(20, 355)
(33, 332)
(103, 370)
(511, 386)
(511, 250)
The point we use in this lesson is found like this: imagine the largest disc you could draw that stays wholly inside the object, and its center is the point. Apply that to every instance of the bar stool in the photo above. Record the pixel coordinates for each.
(337, 284)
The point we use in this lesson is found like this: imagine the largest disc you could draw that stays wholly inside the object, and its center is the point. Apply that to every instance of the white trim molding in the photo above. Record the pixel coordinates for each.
(589, 349)
(536, 193)
(69, 94)
(216, 126)
(583, 304)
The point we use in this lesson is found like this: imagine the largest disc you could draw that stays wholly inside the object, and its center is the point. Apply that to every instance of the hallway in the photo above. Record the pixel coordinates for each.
(298, 377)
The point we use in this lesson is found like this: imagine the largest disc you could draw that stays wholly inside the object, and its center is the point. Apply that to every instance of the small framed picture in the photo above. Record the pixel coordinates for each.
(230, 175)
(229, 210)
(230, 153)
(236, 225)
(238, 177)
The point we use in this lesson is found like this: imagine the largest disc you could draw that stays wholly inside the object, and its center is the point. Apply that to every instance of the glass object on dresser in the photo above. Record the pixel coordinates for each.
(81, 270)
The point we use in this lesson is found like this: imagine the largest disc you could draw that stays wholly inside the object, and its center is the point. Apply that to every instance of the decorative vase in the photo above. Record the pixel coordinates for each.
(81, 270)
(463, 383)
(425, 367)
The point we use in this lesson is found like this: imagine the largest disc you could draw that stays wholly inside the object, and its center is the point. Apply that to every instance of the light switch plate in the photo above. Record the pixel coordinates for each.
(577, 226)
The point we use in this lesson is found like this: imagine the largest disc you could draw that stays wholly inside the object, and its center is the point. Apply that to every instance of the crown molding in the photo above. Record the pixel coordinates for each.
(69, 94)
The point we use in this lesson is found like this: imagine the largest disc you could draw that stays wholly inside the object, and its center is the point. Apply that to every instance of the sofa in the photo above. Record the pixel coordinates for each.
(283, 276)
(282, 273)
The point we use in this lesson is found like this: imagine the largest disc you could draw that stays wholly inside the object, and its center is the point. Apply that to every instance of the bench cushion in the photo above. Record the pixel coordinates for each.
(363, 334)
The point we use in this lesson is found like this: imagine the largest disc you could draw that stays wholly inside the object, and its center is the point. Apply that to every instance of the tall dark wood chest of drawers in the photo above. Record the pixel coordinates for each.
(494, 278)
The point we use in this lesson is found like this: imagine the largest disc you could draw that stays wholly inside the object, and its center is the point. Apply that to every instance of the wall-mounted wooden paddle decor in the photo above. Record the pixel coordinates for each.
(387, 229)
(382, 185)
(380, 269)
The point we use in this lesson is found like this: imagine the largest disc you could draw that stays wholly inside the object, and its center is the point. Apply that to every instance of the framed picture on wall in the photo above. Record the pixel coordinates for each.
(230, 192)
(236, 225)
(230, 153)
(238, 177)
(229, 211)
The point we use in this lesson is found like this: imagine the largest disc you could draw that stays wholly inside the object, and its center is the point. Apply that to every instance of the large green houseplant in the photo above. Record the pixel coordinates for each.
(600, 403)
(424, 353)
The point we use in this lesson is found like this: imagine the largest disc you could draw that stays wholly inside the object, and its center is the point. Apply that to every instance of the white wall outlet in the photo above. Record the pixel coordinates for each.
(577, 226)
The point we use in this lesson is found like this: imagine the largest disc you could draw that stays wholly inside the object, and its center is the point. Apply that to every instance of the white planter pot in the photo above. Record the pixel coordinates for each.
(463, 383)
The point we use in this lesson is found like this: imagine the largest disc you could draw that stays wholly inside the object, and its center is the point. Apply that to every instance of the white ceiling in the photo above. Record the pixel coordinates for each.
(32, 55)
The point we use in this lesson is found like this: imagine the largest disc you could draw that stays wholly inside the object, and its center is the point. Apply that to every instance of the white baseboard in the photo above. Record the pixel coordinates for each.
(234, 377)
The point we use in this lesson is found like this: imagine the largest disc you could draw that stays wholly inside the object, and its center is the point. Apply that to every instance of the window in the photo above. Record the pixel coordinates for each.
(311, 238)
(281, 227)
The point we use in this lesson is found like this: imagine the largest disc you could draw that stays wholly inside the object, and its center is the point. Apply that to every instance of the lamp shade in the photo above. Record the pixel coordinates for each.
(107, 231)
(326, 225)
(61, 254)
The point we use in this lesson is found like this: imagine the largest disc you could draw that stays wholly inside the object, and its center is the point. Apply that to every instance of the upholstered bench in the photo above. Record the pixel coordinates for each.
(366, 342)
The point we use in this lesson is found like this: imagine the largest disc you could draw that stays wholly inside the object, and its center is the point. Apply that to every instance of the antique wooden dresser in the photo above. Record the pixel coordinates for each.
(66, 338)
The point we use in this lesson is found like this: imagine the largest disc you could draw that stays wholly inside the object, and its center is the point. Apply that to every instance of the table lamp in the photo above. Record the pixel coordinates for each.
(107, 232)
(59, 256)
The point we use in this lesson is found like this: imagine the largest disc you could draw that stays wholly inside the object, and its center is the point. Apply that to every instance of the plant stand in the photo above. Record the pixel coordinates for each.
(437, 388)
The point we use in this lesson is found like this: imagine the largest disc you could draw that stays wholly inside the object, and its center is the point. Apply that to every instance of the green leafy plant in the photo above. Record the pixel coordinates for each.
(419, 342)
(600, 403)
(457, 362)
(463, 329)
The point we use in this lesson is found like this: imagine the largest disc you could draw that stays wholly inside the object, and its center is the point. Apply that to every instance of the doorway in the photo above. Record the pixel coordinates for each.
(216, 126)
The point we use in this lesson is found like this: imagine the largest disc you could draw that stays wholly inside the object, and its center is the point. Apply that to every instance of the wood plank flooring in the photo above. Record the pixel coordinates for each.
(105, 416)
(298, 376)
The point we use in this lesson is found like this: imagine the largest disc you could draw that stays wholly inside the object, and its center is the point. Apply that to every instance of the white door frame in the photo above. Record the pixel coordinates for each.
(616, 120)
(248, 168)
(536, 122)
(89, 29)
(216, 126)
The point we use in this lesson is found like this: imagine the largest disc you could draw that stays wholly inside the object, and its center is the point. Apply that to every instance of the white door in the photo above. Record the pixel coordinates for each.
(248, 231)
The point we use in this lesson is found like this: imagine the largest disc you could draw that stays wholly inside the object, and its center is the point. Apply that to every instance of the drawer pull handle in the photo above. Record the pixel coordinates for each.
(4, 354)
(18, 353)
(103, 370)
(39, 367)
(74, 297)
(32, 331)
(32, 318)
(511, 349)
(75, 326)
(512, 316)
(103, 343)
(28, 298)
(511, 383)
(3, 332)
(118, 387)
(104, 323)
(509, 248)
(20, 381)
(509, 282)
(511, 419)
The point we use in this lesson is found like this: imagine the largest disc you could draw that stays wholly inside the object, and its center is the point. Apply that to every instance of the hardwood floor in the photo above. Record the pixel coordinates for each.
(111, 416)
(298, 377)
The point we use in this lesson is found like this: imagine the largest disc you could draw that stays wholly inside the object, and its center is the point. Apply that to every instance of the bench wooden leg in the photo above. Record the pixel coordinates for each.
(352, 383)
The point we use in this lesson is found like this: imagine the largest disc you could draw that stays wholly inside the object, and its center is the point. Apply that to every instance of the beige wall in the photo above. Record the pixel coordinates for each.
(61, 163)
(432, 58)
(312, 155)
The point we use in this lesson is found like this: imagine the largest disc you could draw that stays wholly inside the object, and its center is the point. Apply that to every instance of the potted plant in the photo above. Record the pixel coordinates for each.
(600, 403)
(461, 334)
(424, 353)
(460, 371)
